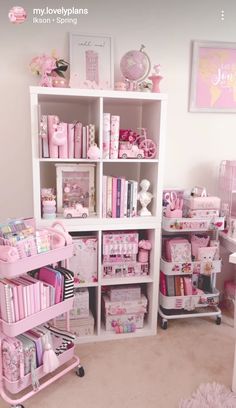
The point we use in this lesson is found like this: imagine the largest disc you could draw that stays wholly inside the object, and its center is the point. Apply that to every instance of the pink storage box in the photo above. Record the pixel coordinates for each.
(116, 320)
(203, 213)
(124, 293)
(202, 203)
(82, 326)
(84, 261)
(124, 307)
(120, 243)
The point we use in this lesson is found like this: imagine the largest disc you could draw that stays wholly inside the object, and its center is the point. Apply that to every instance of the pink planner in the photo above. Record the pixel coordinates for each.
(53, 278)
(106, 135)
(20, 298)
(114, 140)
(78, 140)
(71, 140)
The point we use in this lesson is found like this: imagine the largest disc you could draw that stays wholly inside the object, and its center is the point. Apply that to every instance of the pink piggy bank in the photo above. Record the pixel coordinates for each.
(94, 152)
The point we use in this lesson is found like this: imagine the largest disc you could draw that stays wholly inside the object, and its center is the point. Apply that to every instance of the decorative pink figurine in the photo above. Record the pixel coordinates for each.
(156, 78)
(144, 247)
(94, 152)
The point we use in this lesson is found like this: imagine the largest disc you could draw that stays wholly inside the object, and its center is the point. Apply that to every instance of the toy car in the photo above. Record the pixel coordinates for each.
(128, 150)
(77, 211)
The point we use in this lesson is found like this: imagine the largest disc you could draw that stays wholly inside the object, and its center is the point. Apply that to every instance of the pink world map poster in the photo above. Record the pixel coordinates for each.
(213, 86)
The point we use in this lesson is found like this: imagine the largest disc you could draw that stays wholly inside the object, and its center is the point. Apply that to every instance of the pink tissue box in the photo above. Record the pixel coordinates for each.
(202, 203)
(124, 307)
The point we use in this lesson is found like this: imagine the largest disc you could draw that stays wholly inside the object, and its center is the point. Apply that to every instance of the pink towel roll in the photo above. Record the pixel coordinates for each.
(8, 253)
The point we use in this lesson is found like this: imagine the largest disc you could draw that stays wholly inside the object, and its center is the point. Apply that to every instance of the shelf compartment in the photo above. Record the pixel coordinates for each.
(192, 224)
(187, 268)
(189, 302)
(13, 269)
(13, 329)
(16, 386)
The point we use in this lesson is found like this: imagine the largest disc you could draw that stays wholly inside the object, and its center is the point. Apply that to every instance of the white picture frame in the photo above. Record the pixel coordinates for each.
(91, 61)
(81, 183)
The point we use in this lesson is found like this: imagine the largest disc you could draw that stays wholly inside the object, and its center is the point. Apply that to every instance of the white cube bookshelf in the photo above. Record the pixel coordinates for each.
(136, 110)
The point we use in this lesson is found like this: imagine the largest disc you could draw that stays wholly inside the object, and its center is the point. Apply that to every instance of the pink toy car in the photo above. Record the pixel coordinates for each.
(128, 150)
(77, 211)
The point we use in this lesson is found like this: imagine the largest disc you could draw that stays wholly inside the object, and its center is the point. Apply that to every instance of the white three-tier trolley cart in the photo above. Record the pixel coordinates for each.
(23, 386)
(179, 307)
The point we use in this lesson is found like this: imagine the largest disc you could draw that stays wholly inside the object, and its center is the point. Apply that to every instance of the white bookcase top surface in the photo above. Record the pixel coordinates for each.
(93, 93)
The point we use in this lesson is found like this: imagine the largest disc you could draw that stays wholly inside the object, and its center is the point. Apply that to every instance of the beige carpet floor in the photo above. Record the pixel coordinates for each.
(151, 372)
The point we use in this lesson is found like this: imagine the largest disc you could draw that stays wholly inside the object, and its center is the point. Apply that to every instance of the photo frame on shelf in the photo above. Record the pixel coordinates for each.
(91, 61)
(75, 184)
(213, 77)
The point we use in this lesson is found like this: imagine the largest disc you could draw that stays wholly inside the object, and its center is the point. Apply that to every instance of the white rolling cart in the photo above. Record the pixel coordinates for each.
(180, 307)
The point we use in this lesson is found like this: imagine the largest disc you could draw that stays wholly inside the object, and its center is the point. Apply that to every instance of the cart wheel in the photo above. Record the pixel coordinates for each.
(164, 324)
(218, 320)
(17, 406)
(80, 371)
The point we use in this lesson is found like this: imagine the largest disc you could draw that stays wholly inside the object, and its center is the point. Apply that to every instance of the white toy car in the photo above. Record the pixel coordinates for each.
(77, 211)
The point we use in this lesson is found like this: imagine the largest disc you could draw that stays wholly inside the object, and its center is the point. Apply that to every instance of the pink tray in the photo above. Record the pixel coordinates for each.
(13, 329)
(12, 269)
(16, 386)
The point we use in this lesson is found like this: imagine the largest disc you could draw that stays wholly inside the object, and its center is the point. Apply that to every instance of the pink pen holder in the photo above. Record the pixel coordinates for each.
(173, 213)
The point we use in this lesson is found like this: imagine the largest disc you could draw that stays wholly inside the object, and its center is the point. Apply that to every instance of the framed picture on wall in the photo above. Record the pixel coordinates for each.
(213, 77)
(91, 61)
(75, 185)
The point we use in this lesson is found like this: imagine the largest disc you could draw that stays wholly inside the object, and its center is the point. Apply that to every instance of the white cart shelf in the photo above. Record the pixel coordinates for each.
(180, 307)
(136, 110)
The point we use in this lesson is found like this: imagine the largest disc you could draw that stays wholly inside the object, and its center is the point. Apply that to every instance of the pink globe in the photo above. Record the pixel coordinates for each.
(135, 65)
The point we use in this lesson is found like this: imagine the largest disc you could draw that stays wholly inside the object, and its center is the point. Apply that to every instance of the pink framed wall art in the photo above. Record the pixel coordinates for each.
(213, 77)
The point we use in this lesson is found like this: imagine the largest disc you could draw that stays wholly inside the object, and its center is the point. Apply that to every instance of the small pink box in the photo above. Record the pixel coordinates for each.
(202, 203)
(124, 307)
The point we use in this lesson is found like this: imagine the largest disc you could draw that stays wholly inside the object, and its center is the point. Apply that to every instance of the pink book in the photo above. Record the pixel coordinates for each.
(36, 291)
(114, 194)
(125, 197)
(91, 135)
(78, 140)
(44, 135)
(63, 149)
(106, 135)
(43, 301)
(15, 298)
(163, 284)
(5, 294)
(20, 298)
(53, 121)
(109, 196)
(104, 196)
(71, 140)
(114, 141)
(26, 296)
(84, 141)
(188, 287)
(122, 197)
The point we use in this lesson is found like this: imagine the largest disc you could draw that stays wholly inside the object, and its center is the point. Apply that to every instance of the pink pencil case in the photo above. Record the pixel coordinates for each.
(54, 278)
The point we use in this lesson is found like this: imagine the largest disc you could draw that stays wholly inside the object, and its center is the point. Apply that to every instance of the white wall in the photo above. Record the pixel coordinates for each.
(196, 143)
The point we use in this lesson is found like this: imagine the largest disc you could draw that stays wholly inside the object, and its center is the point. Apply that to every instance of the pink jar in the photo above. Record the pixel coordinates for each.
(143, 255)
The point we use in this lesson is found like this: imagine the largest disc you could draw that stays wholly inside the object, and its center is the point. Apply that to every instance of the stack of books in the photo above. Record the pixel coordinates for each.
(119, 197)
